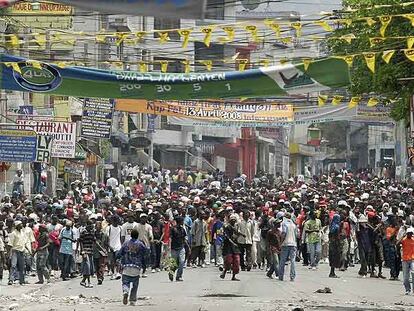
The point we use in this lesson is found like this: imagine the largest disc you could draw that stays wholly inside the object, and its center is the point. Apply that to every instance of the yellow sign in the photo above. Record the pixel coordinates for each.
(40, 8)
(224, 111)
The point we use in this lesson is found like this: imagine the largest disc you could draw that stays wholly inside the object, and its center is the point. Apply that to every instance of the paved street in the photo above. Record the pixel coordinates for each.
(204, 290)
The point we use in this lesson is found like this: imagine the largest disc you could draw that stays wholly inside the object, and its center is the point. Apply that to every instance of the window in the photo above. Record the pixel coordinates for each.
(167, 23)
(215, 9)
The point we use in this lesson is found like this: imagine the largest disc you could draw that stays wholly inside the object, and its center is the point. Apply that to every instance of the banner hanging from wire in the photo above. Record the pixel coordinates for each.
(162, 8)
(24, 75)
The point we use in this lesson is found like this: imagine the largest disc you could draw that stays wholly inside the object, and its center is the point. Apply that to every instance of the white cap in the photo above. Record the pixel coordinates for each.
(342, 202)
(410, 230)
(357, 200)
(294, 200)
(365, 196)
(363, 219)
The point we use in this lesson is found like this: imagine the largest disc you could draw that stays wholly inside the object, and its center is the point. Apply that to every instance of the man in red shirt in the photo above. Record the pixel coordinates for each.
(407, 244)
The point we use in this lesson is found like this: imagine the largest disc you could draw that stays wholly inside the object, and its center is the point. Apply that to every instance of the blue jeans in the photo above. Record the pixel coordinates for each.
(314, 250)
(126, 285)
(179, 257)
(65, 265)
(288, 253)
(408, 274)
(17, 266)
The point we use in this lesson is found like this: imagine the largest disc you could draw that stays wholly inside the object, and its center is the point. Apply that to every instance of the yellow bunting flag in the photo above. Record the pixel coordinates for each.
(229, 30)
(346, 22)
(324, 25)
(409, 53)
(298, 27)
(185, 34)
(348, 38)
(40, 39)
(264, 62)
(35, 64)
(349, 59)
(207, 31)
(14, 66)
(120, 37)
(370, 60)
(336, 100)
(61, 64)
(410, 42)
(370, 21)
(385, 21)
(274, 26)
(12, 40)
(140, 35)
(164, 65)
(410, 17)
(242, 64)
(284, 61)
(164, 36)
(143, 67)
(186, 64)
(387, 55)
(208, 64)
(372, 102)
(252, 29)
(286, 40)
(100, 38)
(322, 99)
(354, 102)
(376, 40)
(306, 63)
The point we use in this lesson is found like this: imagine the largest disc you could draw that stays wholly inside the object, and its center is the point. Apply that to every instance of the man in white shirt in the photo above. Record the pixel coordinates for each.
(112, 182)
(127, 228)
(114, 240)
(289, 247)
(245, 240)
(17, 243)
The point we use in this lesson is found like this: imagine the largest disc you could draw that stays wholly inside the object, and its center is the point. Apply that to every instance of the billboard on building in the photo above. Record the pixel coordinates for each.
(63, 134)
(213, 111)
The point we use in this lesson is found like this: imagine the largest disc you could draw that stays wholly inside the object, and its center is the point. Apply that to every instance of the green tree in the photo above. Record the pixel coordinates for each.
(386, 81)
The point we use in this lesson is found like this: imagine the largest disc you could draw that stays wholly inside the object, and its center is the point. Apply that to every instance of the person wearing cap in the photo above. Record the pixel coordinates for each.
(146, 236)
(131, 255)
(407, 245)
(67, 239)
(18, 244)
(365, 245)
(17, 182)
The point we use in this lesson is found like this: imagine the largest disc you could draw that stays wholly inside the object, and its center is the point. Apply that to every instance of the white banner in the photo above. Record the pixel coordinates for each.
(163, 8)
(307, 115)
(63, 133)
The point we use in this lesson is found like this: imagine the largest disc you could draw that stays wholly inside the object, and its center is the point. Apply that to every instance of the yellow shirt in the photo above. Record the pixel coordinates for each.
(17, 240)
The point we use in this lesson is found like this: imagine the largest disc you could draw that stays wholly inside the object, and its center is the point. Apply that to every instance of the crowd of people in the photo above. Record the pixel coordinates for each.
(155, 220)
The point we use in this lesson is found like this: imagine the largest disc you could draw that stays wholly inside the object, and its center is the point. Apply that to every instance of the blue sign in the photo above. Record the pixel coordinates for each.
(18, 146)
